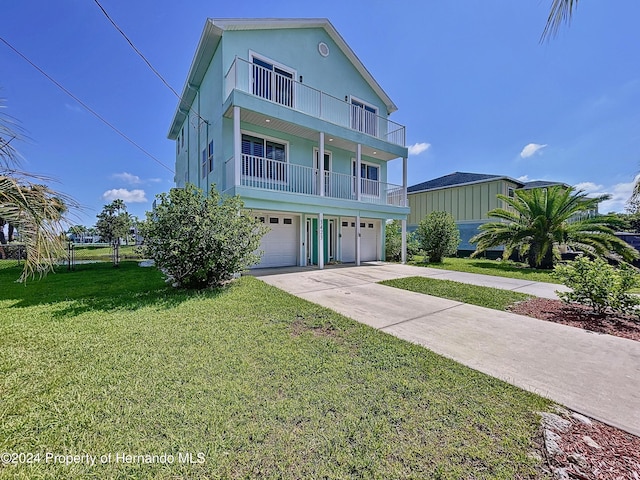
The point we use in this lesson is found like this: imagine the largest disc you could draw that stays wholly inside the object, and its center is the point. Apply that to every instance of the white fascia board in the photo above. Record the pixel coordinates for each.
(209, 40)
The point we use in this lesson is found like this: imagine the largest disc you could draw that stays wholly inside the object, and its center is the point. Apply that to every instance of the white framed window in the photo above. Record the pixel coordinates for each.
(369, 178)
(264, 158)
(272, 80)
(364, 117)
(203, 163)
(510, 192)
(210, 164)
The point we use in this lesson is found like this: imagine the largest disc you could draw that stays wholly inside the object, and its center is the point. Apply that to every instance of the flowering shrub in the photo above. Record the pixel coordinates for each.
(598, 285)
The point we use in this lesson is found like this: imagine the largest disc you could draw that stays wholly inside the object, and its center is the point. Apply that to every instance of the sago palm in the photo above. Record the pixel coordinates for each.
(537, 221)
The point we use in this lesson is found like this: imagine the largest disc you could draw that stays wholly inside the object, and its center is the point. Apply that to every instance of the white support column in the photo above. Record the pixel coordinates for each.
(321, 163)
(303, 241)
(403, 253)
(404, 242)
(404, 180)
(357, 240)
(358, 179)
(320, 241)
(237, 147)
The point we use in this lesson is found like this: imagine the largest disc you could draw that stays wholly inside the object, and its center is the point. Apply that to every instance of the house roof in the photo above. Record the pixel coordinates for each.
(542, 184)
(457, 179)
(210, 38)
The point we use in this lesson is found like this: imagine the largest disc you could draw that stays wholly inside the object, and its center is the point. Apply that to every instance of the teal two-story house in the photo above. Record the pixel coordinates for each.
(282, 113)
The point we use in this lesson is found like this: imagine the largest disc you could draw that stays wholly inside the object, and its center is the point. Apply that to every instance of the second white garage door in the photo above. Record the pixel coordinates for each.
(369, 240)
(280, 244)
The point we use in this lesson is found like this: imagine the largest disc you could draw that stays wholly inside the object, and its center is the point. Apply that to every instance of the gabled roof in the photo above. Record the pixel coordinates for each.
(210, 38)
(542, 184)
(457, 179)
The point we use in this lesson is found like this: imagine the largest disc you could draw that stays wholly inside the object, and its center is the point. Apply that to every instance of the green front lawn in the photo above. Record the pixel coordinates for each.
(251, 381)
(495, 298)
(498, 268)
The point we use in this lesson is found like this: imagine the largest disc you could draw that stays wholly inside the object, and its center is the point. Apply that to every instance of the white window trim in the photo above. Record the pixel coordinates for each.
(272, 139)
(375, 125)
(357, 177)
(364, 102)
(316, 152)
(281, 66)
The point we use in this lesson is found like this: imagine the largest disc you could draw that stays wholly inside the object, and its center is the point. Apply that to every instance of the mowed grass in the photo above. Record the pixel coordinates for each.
(103, 253)
(495, 298)
(498, 268)
(262, 384)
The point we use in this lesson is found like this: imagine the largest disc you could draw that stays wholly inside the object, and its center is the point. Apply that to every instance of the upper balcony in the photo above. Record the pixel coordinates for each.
(281, 88)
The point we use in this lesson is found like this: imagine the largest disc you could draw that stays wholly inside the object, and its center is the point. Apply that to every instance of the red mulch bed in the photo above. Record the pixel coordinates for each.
(625, 326)
(619, 455)
(614, 456)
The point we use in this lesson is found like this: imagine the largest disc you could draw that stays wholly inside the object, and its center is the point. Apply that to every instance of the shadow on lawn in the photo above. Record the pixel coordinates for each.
(493, 266)
(94, 287)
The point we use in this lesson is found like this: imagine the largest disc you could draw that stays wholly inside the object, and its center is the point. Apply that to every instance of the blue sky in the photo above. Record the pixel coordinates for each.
(474, 87)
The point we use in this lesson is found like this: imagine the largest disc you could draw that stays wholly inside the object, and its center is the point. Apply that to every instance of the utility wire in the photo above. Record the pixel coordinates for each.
(141, 55)
(102, 119)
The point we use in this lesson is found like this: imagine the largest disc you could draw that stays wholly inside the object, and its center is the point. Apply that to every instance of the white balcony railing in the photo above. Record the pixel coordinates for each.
(268, 174)
(284, 90)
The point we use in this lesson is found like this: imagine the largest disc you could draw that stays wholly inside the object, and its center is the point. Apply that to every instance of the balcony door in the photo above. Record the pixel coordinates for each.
(364, 117)
(271, 81)
(326, 171)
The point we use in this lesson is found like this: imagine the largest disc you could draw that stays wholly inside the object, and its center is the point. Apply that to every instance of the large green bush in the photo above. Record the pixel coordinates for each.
(201, 241)
(393, 243)
(438, 236)
(598, 285)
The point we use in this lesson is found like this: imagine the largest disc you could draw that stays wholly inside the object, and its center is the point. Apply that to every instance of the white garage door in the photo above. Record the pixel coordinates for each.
(369, 240)
(280, 244)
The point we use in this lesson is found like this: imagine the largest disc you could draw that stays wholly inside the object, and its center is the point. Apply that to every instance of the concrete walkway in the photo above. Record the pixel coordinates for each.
(597, 375)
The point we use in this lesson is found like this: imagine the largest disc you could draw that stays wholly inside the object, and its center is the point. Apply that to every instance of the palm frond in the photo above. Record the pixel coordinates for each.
(561, 12)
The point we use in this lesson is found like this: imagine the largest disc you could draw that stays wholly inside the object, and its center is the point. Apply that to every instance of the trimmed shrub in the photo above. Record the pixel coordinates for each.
(599, 285)
(438, 236)
(201, 241)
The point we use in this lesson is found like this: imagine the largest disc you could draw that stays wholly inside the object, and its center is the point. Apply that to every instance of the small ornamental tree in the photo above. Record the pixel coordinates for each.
(201, 241)
(438, 236)
(113, 222)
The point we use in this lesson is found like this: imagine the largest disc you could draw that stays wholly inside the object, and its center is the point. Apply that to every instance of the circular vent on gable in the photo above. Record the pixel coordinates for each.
(323, 48)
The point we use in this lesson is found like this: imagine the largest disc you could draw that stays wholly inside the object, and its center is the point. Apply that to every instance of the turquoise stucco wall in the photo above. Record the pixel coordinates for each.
(318, 72)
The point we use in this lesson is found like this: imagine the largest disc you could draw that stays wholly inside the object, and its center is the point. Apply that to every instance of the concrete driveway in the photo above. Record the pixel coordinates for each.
(597, 375)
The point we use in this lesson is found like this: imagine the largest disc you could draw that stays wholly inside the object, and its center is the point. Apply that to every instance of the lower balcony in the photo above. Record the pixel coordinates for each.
(269, 174)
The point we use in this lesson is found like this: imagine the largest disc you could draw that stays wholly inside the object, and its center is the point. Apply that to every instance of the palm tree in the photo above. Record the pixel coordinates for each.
(561, 12)
(537, 221)
(35, 210)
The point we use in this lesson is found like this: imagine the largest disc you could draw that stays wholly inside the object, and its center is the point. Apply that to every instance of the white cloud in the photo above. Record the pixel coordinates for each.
(523, 178)
(619, 192)
(531, 149)
(418, 148)
(127, 177)
(129, 196)
(589, 187)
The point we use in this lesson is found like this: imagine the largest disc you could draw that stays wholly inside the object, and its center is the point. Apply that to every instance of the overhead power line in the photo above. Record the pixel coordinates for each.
(87, 107)
(141, 55)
